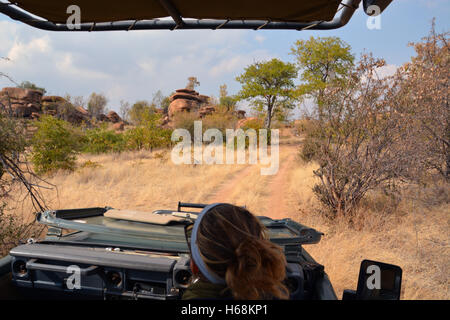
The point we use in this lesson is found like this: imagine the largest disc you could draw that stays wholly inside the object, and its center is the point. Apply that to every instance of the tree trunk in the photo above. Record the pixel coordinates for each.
(268, 120)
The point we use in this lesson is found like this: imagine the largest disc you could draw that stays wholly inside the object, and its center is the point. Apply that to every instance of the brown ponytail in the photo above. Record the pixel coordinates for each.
(233, 245)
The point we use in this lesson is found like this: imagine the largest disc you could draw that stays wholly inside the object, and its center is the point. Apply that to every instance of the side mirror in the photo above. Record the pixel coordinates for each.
(376, 281)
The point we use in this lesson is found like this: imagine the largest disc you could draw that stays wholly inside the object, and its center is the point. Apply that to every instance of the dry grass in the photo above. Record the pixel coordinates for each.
(415, 237)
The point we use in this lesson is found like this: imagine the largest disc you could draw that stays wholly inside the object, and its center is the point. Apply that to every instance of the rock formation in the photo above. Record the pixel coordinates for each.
(113, 117)
(23, 102)
(206, 110)
(27, 103)
(186, 100)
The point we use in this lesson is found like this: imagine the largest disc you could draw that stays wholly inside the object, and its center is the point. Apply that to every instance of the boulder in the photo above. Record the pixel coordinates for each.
(119, 126)
(207, 110)
(188, 91)
(23, 102)
(165, 120)
(240, 114)
(203, 98)
(22, 95)
(76, 117)
(113, 117)
(187, 100)
(21, 111)
(35, 115)
(182, 95)
(52, 99)
(182, 105)
(102, 117)
(83, 111)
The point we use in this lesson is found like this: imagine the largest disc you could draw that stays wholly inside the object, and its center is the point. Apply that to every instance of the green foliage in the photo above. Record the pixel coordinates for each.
(220, 121)
(32, 86)
(227, 101)
(256, 124)
(140, 111)
(270, 85)
(322, 60)
(55, 145)
(102, 140)
(66, 111)
(148, 135)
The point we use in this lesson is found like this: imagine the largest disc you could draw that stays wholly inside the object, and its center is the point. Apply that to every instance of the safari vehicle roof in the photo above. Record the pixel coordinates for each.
(106, 15)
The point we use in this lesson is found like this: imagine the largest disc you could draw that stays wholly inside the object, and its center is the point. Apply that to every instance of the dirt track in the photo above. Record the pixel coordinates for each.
(276, 200)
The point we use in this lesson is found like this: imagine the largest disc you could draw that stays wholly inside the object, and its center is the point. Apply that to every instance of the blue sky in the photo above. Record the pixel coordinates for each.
(133, 65)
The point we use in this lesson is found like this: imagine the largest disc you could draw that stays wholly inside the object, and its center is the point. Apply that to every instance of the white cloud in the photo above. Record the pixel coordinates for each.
(236, 64)
(387, 70)
(260, 38)
(66, 67)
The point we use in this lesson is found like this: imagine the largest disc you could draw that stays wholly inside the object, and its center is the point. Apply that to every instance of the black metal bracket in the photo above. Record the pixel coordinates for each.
(173, 12)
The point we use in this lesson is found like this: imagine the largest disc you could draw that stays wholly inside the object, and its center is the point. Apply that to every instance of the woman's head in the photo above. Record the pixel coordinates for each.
(232, 244)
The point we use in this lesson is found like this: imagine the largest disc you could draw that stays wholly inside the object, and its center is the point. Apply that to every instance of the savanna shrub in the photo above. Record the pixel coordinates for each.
(103, 140)
(148, 135)
(219, 121)
(54, 145)
(185, 120)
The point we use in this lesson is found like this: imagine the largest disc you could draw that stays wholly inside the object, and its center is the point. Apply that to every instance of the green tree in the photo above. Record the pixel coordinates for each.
(322, 60)
(270, 85)
(161, 101)
(141, 110)
(225, 100)
(97, 104)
